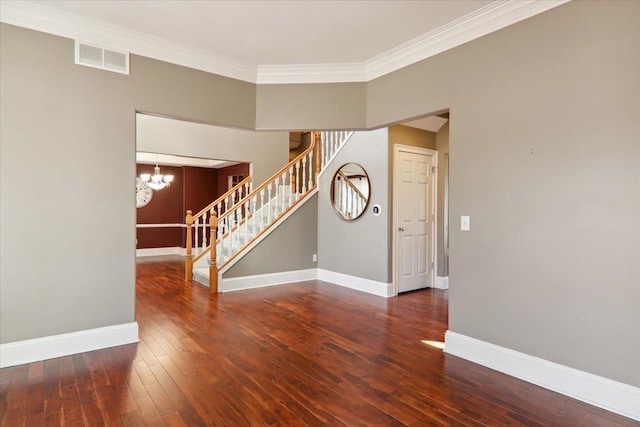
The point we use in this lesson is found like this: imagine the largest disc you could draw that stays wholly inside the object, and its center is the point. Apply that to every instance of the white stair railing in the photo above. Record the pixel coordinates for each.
(242, 222)
(198, 225)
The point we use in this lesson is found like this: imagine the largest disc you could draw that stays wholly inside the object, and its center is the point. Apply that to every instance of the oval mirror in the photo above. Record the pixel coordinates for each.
(350, 191)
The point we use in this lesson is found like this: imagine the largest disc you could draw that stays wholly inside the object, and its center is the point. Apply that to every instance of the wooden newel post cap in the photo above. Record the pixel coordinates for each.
(213, 220)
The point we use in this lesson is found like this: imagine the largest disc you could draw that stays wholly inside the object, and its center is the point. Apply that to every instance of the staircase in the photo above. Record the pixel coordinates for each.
(242, 217)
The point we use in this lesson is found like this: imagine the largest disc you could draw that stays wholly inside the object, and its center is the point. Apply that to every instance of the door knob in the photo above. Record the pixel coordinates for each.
(400, 228)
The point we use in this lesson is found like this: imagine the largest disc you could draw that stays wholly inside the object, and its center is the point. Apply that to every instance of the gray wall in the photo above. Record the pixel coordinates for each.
(549, 267)
(266, 151)
(545, 159)
(311, 106)
(346, 246)
(289, 247)
(442, 145)
(67, 168)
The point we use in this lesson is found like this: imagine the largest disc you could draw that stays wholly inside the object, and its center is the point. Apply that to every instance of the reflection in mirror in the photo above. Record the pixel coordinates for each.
(350, 191)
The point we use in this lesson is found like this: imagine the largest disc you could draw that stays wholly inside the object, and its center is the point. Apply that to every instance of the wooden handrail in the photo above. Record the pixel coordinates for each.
(351, 184)
(276, 174)
(221, 198)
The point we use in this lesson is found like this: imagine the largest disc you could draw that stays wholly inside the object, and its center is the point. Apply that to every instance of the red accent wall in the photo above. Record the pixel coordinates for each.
(201, 188)
(192, 188)
(224, 173)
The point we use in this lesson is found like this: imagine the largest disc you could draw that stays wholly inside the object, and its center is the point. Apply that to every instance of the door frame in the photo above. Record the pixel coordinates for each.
(397, 148)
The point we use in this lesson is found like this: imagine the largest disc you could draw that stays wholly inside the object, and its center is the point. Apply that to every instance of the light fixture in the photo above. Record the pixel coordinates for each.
(157, 181)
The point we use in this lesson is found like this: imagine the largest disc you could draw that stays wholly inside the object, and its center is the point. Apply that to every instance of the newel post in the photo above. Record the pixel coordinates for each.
(188, 263)
(213, 265)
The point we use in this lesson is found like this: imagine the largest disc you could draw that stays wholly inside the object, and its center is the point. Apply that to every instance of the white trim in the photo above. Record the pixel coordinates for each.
(269, 279)
(493, 17)
(595, 390)
(369, 286)
(311, 73)
(161, 251)
(358, 283)
(53, 21)
(20, 352)
(171, 225)
(442, 282)
(397, 148)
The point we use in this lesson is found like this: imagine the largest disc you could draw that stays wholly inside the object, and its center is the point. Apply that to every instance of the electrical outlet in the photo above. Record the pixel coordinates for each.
(315, 257)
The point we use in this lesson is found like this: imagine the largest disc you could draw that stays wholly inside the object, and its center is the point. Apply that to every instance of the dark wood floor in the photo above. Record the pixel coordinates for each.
(306, 354)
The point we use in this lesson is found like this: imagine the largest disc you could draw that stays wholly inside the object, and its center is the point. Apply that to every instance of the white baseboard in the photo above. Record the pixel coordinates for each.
(442, 282)
(358, 283)
(602, 392)
(270, 279)
(20, 352)
(160, 251)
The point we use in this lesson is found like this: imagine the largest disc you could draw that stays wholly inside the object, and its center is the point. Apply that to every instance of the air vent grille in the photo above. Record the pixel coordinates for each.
(99, 57)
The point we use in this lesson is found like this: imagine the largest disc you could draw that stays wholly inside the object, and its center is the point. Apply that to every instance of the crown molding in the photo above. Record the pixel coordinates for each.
(52, 21)
(311, 73)
(493, 17)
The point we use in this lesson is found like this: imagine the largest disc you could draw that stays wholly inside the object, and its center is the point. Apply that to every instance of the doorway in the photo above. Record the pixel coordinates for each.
(414, 230)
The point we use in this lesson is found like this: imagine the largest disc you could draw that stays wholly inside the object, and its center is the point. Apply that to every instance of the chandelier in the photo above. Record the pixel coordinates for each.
(157, 181)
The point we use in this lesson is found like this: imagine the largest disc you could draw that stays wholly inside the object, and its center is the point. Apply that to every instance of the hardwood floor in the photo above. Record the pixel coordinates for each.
(305, 354)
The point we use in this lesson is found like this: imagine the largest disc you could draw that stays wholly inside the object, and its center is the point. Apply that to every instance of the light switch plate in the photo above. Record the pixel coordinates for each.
(465, 223)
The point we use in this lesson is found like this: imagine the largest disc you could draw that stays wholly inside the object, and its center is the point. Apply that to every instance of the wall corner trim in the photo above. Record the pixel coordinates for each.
(595, 390)
(37, 349)
(442, 282)
(160, 251)
(358, 283)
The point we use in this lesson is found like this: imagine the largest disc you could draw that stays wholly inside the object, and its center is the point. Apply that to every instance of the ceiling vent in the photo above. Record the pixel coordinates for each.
(99, 57)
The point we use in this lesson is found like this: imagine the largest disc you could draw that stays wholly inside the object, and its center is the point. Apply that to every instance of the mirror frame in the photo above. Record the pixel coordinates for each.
(332, 194)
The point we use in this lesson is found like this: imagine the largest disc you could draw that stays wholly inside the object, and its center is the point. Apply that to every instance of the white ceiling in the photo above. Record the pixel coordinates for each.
(271, 41)
(170, 160)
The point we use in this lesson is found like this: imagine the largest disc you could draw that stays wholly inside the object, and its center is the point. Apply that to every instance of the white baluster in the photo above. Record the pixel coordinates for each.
(197, 231)
(311, 174)
(247, 205)
(261, 207)
(277, 191)
(254, 200)
(247, 190)
(298, 179)
(304, 175)
(226, 203)
(269, 198)
(204, 230)
(284, 191)
(291, 189)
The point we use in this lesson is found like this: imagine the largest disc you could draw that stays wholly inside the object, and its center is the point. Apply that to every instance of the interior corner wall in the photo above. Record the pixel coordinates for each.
(545, 160)
(442, 145)
(360, 247)
(72, 127)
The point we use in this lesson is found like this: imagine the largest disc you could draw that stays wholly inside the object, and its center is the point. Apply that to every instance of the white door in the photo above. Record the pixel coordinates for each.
(415, 219)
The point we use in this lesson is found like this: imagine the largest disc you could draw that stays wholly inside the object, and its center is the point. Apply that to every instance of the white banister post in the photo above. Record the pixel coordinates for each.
(253, 200)
(269, 201)
(195, 233)
(310, 170)
(304, 175)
